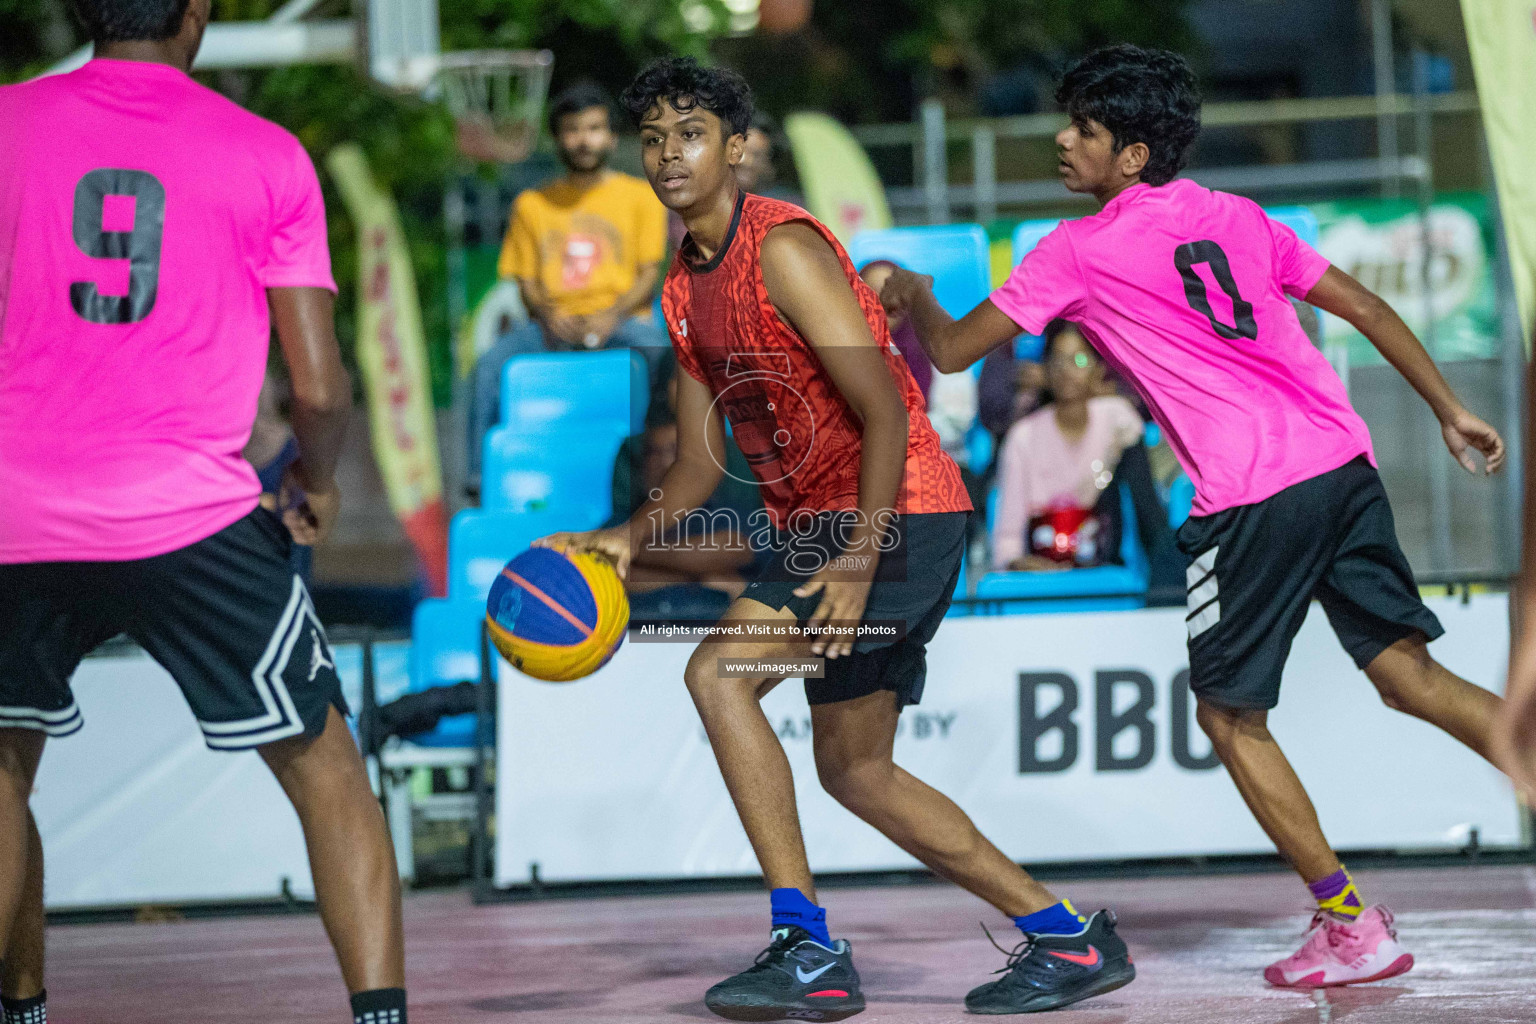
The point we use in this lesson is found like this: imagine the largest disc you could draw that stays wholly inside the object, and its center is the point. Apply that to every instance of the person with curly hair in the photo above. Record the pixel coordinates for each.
(1183, 291)
(773, 326)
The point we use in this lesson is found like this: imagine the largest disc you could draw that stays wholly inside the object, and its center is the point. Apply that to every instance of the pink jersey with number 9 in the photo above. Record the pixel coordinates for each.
(142, 219)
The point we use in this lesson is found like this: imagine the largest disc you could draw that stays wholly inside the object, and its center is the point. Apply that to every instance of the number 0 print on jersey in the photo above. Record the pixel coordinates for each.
(1186, 257)
(139, 244)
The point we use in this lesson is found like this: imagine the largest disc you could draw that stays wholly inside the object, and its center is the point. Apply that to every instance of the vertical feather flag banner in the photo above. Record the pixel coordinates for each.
(1502, 36)
(841, 187)
(392, 355)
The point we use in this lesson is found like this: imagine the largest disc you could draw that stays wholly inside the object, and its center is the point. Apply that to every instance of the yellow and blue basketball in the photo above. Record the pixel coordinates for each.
(557, 615)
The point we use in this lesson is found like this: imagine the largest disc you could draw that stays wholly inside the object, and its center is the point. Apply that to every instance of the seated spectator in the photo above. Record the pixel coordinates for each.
(950, 397)
(586, 252)
(1056, 463)
(711, 548)
(1009, 389)
(875, 273)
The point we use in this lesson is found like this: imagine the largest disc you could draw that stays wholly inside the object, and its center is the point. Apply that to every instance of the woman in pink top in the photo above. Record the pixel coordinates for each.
(1062, 455)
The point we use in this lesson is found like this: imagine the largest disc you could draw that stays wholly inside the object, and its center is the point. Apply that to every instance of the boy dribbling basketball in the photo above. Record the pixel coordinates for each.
(772, 325)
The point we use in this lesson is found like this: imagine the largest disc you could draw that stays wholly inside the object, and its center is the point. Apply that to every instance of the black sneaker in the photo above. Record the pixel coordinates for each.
(1050, 971)
(795, 978)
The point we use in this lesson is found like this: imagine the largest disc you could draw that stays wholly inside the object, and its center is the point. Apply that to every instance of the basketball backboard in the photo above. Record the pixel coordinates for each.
(400, 42)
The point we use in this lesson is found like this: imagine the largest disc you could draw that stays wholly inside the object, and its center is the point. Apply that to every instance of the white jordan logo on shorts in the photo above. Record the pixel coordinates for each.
(319, 657)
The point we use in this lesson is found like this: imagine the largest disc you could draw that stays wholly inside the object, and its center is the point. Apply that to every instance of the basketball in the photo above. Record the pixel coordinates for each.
(557, 615)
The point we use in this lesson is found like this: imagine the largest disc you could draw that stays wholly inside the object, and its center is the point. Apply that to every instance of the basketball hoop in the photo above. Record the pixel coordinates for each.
(496, 98)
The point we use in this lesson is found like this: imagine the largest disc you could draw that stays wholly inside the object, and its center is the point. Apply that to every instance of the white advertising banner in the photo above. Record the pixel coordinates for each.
(135, 809)
(1066, 738)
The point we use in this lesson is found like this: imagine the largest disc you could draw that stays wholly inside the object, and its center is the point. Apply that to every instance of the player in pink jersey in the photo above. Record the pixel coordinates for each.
(151, 234)
(1183, 291)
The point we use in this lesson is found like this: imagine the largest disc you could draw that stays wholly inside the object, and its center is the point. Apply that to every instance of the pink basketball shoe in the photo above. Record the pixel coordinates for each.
(1341, 952)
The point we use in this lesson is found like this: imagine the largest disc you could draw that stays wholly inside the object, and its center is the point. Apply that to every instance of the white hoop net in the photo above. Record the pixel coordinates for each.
(497, 99)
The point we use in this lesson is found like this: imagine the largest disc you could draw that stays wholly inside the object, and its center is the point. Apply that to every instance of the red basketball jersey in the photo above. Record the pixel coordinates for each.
(787, 416)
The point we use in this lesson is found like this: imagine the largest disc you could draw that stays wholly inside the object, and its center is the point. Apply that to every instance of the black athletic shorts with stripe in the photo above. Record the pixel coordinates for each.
(226, 617)
(915, 581)
(1256, 568)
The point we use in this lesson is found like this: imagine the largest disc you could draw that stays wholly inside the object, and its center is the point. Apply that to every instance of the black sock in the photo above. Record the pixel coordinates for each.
(378, 1006)
(27, 1011)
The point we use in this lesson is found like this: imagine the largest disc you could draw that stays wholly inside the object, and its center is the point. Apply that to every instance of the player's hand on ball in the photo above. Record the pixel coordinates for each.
(308, 510)
(1463, 430)
(902, 288)
(842, 601)
(613, 544)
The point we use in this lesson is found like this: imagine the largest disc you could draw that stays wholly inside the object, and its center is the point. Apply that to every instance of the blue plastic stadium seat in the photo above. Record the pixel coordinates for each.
(550, 466)
(481, 541)
(956, 255)
(445, 649)
(978, 447)
(1181, 498)
(1100, 588)
(588, 388)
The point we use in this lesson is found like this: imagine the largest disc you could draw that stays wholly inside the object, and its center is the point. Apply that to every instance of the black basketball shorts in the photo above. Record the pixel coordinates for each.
(226, 617)
(1256, 568)
(914, 582)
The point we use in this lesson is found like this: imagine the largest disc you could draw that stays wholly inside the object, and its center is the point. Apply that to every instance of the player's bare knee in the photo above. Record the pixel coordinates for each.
(1403, 674)
(705, 683)
(1223, 723)
(854, 783)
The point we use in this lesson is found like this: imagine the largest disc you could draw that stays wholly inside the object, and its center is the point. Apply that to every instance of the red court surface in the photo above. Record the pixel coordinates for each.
(1199, 945)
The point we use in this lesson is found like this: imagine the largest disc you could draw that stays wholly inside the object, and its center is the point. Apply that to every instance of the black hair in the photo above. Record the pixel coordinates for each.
(1147, 96)
(579, 97)
(1052, 334)
(122, 21)
(684, 83)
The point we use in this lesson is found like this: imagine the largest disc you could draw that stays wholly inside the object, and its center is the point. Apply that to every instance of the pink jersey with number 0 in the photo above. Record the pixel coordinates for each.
(1183, 291)
(142, 218)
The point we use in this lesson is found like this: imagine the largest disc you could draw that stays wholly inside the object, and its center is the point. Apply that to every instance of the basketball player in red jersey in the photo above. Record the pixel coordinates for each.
(773, 327)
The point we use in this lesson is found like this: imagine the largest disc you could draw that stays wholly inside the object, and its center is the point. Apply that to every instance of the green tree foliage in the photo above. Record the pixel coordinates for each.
(871, 62)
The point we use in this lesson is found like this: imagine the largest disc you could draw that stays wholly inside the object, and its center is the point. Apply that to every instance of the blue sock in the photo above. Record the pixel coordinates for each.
(791, 908)
(1061, 919)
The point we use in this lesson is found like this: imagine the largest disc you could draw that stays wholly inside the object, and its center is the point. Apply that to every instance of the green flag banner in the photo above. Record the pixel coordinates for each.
(1502, 36)
(841, 187)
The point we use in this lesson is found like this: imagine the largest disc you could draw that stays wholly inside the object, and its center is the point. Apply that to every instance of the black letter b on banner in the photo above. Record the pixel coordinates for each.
(1034, 726)
(1137, 716)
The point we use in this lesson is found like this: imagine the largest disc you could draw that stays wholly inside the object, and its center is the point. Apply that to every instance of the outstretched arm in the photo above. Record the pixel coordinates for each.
(951, 344)
(1343, 296)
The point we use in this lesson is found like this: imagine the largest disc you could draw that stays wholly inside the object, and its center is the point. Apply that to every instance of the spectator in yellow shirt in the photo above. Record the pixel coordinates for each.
(586, 252)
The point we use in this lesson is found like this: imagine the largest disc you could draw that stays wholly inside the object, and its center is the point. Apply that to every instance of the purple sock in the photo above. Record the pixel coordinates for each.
(1337, 894)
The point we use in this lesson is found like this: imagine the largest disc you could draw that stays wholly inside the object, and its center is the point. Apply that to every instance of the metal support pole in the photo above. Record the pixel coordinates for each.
(1441, 550)
(1386, 88)
(935, 165)
(455, 453)
(984, 173)
(482, 842)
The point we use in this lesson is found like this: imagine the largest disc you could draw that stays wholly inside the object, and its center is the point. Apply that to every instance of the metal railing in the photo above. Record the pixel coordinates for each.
(936, 198)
